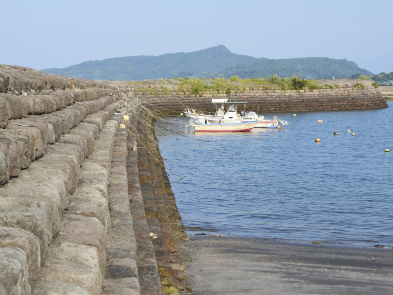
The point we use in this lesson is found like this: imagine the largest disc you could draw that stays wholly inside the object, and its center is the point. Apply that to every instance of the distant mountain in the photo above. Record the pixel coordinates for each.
(212, 62)
(308, 67)
(177, 65)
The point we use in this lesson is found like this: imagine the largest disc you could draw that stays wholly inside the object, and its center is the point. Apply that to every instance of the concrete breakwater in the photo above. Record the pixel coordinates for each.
(343, 95)
(85, 203)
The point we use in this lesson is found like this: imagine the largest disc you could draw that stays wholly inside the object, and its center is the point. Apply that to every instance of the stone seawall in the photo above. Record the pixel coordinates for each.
(348, 96)
(85, 203)
(86, 206)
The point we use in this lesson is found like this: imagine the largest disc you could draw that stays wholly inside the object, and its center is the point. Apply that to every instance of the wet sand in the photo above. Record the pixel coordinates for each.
(223, 265)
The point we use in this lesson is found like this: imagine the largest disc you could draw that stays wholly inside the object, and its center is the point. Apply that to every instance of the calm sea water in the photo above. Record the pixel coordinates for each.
(281, 184)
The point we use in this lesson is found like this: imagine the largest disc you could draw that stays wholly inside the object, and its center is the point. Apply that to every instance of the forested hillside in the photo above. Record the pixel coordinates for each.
(212, 62)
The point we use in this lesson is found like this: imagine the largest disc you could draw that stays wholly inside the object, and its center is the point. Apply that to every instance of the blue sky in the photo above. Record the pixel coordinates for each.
(45, 34)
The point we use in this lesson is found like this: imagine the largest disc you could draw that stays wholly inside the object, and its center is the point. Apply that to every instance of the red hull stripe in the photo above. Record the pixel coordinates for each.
(242, 130)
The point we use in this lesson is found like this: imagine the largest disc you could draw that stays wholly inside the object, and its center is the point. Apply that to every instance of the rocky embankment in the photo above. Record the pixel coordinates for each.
(85, 204)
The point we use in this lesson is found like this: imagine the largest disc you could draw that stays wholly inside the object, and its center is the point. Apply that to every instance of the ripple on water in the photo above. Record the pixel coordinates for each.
(281, 184)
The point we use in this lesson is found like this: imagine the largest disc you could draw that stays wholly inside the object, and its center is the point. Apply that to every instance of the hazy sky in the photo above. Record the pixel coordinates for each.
(44, 34)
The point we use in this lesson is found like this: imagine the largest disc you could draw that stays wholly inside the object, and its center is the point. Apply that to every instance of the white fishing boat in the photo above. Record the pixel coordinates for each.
(225, 127)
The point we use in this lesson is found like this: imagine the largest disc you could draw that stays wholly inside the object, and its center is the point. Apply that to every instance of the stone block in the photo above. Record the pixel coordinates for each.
(66, 271)
(91, 127)
(14, 273)
(87, 209)
(59, 288)
(23, 143)
(87, 134)
(3, 113)
(69, 150)
(84, 231)
(34, 134)
(52, 163)
(3, 168)
(13, 237)
(76, 114)
(13, 154)
(81, 108)
(95, 176)
(76, 140)
(40, 125)
(122, 286)
(125, 262)
(33, 220)
(76, 253)
(68, 121)
(19, 200)
(90, 197)
(95, 119)
(13, 106)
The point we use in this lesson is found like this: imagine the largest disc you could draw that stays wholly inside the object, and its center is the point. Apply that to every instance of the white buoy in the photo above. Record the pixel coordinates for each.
(353, 134)
(348, 131)
(387, 151)
(294, 115)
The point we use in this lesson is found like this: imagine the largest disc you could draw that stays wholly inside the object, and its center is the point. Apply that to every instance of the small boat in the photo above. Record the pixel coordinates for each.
(225, 127)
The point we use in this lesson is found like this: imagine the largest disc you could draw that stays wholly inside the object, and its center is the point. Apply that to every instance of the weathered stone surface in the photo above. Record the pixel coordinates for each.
(33, 220)
(3, 113)
(59, 288)
(56, 162)
(69, 150)
(35, 181)
(36, 143)
(76, 140)
(14, 271)
(3, 291)
(123, 286)
(18, 199)
(84, 231)
(13, 237)
(13, 155)
(13, 106)
(95, 176)
(87, 209)
(95, 119)
(125, 262)
(66, 271)
(3, 168)
(88, 135)
(23, 143)
(119, 272)
(76, 253)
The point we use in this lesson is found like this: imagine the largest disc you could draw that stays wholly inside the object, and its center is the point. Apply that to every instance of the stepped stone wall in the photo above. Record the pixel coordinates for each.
(344, 95)
(85, 203)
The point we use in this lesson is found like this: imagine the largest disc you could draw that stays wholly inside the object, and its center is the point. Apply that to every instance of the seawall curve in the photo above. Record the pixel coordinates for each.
(85, 202)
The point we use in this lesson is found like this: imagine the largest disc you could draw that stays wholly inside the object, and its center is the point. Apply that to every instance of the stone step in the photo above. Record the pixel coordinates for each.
(121, 269)
(77, 256)
(25, 137)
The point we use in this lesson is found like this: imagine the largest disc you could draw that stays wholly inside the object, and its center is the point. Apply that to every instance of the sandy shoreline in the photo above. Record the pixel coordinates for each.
(222, 265)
